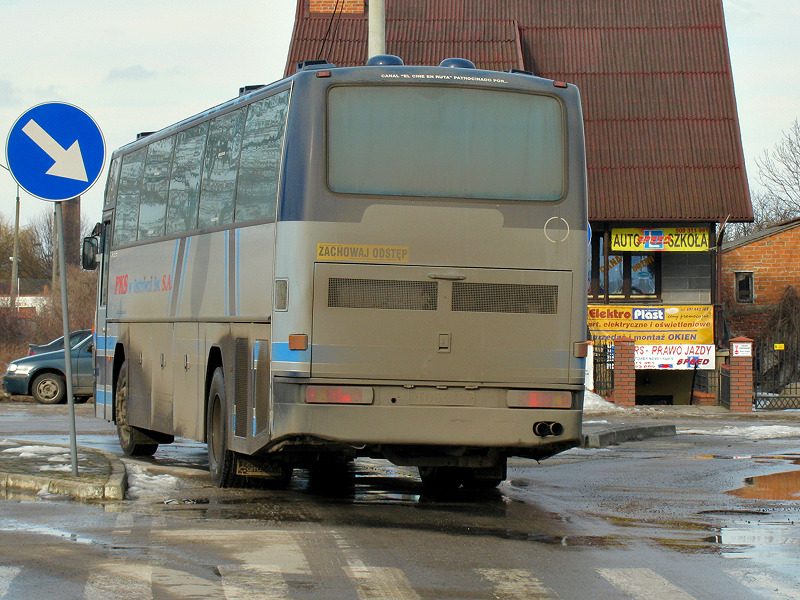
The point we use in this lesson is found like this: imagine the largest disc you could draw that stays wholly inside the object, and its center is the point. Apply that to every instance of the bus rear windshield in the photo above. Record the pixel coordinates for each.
(426, 141)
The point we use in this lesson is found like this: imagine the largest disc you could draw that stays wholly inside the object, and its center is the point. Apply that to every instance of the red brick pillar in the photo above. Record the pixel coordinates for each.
(741, 361)
(624, 392)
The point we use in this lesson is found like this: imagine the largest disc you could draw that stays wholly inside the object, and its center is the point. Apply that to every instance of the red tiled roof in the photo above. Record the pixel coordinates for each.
(662, 130)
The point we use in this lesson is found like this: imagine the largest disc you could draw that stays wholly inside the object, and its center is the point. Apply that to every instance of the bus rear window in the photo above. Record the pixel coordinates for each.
(445, 142)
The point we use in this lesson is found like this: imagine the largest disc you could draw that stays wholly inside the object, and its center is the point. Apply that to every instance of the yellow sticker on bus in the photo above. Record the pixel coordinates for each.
(362, 253)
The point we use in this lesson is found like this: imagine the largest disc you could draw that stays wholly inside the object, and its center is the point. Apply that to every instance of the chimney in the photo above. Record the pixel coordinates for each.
(344, 6)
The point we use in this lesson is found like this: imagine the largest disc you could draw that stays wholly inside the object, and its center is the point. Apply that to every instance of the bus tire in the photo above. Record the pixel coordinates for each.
(441, 479)
(130, 439)
(221, 461)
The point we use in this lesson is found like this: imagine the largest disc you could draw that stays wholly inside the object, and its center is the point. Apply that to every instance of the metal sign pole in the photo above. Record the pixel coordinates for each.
(62, 267)
(55, 151)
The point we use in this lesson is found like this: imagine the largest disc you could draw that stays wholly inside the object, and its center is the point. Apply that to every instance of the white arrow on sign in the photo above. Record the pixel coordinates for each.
(69, 163)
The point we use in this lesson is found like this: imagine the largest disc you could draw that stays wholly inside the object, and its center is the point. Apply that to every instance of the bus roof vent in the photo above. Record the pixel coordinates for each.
(144, 134)
(521, 72)
(313, 65)
(459, 63)
(250, 88)
(385, 60)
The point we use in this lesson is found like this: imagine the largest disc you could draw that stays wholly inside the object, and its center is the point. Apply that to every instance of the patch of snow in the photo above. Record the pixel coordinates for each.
(751, 432)
(31, 451)
(60, 458)
(65, 468)
(594, 403)
(143, 485)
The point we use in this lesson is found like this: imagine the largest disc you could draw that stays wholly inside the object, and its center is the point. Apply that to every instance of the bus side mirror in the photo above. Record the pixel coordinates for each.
(91, 248)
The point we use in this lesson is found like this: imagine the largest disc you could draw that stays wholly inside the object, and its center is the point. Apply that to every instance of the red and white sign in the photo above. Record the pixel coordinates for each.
(674, 356)
(742, 349)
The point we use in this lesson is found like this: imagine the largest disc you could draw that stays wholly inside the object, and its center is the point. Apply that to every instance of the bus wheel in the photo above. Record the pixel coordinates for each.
(221, 461)
(441, 479)
(129, 436)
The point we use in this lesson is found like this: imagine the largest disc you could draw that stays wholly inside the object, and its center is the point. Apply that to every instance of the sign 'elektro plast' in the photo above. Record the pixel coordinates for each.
(55, 151)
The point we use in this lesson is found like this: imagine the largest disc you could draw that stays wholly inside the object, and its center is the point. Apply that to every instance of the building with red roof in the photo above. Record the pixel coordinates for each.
(664, 153)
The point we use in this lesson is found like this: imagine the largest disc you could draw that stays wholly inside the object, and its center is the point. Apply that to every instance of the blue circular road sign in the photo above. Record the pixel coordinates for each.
(55, 151)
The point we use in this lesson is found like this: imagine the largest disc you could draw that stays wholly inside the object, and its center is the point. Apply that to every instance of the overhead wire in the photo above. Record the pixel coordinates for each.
(330, 24)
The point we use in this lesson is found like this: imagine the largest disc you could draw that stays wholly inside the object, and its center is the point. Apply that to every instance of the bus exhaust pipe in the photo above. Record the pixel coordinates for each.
(546, 428)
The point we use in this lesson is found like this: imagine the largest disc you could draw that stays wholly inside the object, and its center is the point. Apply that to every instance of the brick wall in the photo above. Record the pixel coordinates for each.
(775, 264)
(624, 392)
(327, 6)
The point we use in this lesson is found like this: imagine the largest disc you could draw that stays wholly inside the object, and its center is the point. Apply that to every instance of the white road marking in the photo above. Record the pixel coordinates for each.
(770, 584)
(515, 584)
(253, 582)
(374, 583)
(7, 575)
(643, 584)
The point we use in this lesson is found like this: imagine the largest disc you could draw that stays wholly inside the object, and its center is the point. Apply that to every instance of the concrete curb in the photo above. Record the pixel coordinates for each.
(113, 488)
(619, 434)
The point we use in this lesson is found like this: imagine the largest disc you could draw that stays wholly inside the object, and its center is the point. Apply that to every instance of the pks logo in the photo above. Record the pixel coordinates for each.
(121, 284)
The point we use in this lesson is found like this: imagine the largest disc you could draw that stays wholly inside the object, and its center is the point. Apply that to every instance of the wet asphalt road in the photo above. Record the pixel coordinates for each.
(694, 516)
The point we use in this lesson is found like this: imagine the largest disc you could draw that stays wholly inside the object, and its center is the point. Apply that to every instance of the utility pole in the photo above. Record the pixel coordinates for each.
(376, 40)
(12, 293)
(15, 260)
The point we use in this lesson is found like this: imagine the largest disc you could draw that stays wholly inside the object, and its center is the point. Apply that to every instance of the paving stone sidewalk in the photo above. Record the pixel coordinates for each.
(47, 469)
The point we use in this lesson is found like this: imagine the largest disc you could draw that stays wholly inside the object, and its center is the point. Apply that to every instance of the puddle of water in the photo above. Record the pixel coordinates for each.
(777, 486)
(47, 530)
(769, 543)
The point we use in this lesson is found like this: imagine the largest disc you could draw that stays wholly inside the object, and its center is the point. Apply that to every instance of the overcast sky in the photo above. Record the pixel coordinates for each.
(144, 64)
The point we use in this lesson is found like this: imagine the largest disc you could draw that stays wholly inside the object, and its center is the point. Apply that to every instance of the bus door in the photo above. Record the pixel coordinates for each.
(105, 340)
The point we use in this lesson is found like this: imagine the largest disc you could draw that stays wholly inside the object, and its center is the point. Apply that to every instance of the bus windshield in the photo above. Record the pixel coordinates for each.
(423, 141)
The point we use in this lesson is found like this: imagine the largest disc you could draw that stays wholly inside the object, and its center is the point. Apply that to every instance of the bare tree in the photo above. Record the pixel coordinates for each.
(779, 170)
(779, 174)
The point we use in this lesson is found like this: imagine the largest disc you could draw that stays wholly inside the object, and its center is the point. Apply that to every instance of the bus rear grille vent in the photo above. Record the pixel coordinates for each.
(385, 294)
(505, 298)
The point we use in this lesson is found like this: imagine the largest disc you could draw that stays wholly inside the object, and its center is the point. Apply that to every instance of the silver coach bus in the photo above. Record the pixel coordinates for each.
(385, 261)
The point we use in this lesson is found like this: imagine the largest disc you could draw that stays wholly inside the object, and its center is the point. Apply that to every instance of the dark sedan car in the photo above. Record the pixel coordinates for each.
(58, 343)
(42, 375)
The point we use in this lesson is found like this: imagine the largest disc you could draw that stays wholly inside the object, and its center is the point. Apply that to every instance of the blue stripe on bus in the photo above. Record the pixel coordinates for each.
(226, 275)
(281, 353)
(183, 275)
(238, 290)
(172, 278)
(102, 397)
(105, 342)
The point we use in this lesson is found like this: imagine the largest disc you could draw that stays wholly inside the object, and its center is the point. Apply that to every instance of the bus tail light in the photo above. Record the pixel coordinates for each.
(332, 394)
(539, 399)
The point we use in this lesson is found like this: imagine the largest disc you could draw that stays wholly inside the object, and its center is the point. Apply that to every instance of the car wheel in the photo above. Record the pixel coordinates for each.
(49, 388)
(129, 436)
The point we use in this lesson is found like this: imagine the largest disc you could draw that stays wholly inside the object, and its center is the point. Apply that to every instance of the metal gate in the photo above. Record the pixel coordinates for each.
(776, 375)
(603, 367)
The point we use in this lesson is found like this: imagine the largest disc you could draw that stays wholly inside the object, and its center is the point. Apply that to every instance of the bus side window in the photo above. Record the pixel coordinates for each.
(220, 166)
(259, 167)
(155, 187)
(184, 186)
(130, 187)
(113, 183)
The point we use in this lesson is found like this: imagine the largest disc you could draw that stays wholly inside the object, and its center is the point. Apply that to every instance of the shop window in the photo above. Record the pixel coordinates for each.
(630, 276)
(744, 287)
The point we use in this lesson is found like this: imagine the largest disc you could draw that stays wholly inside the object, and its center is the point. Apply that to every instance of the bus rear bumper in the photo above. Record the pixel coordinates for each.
(508, 429)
